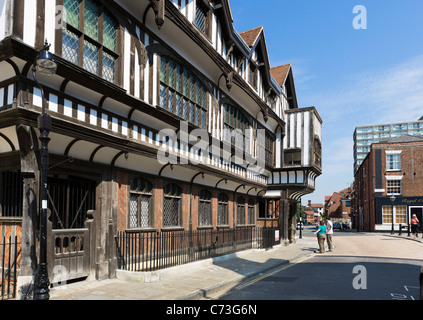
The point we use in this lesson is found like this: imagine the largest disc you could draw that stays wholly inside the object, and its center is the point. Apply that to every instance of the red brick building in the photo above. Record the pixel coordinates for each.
(388, 186)
(338, 205)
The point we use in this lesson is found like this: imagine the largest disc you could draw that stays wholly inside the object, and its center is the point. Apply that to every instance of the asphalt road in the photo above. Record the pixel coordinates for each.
(362, 267)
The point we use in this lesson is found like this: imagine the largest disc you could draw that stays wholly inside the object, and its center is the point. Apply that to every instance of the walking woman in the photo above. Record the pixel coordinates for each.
(414, 225)
(321, 236)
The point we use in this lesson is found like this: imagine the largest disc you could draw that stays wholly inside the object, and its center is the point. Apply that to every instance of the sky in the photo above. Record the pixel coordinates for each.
(353, 75)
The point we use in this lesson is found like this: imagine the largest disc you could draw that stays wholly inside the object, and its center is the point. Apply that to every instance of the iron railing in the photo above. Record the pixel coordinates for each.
(142, 251)
(9, 254)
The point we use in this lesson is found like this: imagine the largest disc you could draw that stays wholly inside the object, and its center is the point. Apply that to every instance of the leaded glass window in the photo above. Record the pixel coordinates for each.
(82, 31)
(71, 14)
(172, 205)
(140, 203)
(200, 18)
(182, 94)
(236, 128)
(109, 65)
(204, 208)
(251, 211)
(222, 209)
(240, 211)
(70, 46)
(91, 19)
(90, 57)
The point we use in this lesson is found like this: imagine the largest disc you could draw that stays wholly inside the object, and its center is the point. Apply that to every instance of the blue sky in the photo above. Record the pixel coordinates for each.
(352, 77)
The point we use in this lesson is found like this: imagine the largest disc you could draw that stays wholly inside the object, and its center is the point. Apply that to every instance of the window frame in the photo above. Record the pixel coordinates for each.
(235, 121)
(205, 9)
(390, 186)
(251, 211)
(393, 161)
(172, 197)
(103, 51)
(253, 74)
(183, 86)
(397, 213)
(205, 196)
(222, 209)
(240, 211)
(291, 153)
(140, 194)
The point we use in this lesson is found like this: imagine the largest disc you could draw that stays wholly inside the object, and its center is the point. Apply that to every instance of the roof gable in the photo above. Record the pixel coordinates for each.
(280, 73)
(250, 37)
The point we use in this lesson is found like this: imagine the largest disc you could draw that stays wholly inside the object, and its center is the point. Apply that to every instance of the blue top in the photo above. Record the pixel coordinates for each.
(322, 230)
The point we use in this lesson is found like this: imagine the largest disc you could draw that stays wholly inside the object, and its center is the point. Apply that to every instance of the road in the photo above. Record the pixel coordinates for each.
(362, 267)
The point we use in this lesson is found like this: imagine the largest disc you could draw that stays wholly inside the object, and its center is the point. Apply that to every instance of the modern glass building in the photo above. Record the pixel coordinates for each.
(364, 136)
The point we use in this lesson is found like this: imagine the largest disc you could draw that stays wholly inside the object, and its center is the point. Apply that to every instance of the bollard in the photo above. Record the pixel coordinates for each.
(400, 230)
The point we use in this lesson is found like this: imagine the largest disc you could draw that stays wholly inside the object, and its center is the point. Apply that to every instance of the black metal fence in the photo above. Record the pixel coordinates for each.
(9, 253)
(141, 251)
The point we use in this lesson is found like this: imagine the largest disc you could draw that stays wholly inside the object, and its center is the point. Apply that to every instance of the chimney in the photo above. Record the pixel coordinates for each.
(309, 203)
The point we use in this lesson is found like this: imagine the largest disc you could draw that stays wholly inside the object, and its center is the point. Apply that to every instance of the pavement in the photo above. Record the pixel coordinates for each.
(199, 280)
(194, 281)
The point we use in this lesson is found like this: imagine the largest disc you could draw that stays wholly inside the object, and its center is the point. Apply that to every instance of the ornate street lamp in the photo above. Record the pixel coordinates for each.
(392, 198)
(44, 63)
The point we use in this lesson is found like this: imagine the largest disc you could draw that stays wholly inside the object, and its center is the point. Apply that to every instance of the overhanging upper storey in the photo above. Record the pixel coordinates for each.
(302, 146)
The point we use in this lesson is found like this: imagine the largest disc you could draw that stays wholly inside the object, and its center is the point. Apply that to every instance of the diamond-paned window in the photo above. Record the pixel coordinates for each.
(222, 209)
(90, 57)
(70, 46)
(240, 211)
(204, 208)
(140, 213)
(251, 211)
(109, 64)
(98, 50)
(172, 205)
(91, 19)
(200, 18)
(109, 32)
(181, 93)
(71, 14)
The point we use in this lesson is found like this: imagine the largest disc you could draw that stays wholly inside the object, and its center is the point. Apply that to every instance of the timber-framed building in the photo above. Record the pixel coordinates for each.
(129, 74)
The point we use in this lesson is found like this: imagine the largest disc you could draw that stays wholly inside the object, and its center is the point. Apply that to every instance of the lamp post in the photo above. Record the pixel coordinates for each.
(392, 198)
(44, 63)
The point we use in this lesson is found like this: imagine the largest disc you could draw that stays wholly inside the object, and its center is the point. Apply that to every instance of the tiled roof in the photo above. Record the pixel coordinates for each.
(250, 36)
(280, 73)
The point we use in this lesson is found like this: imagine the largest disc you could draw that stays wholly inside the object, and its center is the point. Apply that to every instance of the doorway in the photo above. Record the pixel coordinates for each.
(418, 211)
